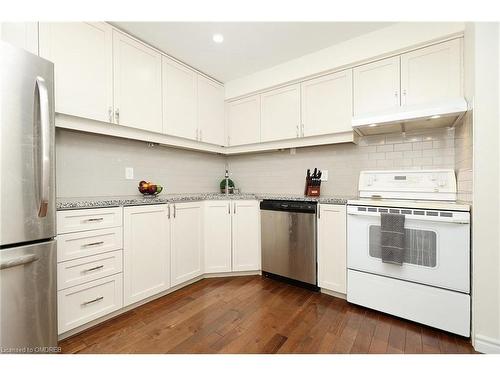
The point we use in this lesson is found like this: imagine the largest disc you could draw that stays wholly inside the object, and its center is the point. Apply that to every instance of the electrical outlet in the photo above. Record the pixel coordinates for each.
(129, 173)
(324, 175)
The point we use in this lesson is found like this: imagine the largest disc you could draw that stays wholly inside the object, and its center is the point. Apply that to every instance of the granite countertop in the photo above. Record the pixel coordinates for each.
(138, 200)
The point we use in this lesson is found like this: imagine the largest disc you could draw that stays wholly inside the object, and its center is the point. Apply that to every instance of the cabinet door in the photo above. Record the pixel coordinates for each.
(187, 237)
(432, 74)
(332, 247)
(246, 235)
(20, 34)
(327, 104)
(217, 229)
(146, 252)
(243, 121)
(376, 87)
(82, 57)
(137, 84)
(280, 114)
(179, 99)
(210, 111)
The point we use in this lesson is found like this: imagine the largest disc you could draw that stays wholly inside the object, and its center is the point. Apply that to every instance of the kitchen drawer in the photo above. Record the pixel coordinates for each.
(77, 245)
(93, 218)
(84, 303)
(83, 270)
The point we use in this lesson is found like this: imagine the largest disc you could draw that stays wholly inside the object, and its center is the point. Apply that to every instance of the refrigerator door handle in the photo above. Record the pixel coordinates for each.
(43, 100)
(25, 259)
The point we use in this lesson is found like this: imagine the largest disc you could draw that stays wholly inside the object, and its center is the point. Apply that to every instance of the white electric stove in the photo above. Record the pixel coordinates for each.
(432, 286)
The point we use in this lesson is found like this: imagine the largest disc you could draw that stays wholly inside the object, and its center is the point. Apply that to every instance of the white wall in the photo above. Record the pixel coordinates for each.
(94, 165)
(482, 42)
(379, 43)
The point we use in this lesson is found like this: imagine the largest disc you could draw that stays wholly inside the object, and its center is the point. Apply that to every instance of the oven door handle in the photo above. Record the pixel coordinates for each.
(414, 217)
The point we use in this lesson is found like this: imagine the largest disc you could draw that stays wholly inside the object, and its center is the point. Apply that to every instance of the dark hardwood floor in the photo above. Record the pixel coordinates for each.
(251, 314)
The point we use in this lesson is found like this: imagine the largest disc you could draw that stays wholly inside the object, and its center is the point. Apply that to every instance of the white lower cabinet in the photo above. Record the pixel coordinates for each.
(232, 236)
(186, 223)
(217, 228)
(146, 252)
(83, 303)
(246, 235)
(332, 249)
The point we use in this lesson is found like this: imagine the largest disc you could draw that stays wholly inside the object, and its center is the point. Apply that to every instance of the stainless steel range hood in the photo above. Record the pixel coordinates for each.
(437, 115)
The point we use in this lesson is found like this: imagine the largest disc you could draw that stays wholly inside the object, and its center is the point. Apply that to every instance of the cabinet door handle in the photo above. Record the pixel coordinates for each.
(175, 211)
(234, 208)
(117, 115)
(168, 211)
(92, 301)
(319, 212)
(229, 208)
(110, 114)
(302, 128)
(297, 131)
(93, 244)
(93, 269)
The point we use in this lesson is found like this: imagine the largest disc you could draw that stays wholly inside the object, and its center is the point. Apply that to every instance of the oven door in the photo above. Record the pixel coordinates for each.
(437, 250)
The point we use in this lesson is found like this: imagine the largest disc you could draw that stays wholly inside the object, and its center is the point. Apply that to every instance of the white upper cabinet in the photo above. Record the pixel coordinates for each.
(243, 121)
(20, 34)
(280, 114)
(210, 111)
(82, 57)
(137, 84)
(217, 223)
(432, 74)
(187, 241)
(332, 253)
(179, 99)
(146, 252)
(376, 87)
(327, 104)
(246, 235)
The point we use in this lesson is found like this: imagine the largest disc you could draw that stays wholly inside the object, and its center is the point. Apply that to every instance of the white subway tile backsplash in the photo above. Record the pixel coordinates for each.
(403, 147)
(385, 148)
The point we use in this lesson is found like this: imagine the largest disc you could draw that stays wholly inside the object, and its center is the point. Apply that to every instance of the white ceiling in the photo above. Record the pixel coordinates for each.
(248, 46)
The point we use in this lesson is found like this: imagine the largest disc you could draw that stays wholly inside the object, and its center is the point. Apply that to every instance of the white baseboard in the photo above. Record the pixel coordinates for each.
(486, 345)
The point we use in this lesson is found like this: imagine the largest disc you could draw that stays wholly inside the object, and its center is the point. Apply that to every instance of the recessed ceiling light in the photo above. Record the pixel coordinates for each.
(218, 38)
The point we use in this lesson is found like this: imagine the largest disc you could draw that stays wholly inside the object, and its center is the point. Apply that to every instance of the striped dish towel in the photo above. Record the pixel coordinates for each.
(392, 238)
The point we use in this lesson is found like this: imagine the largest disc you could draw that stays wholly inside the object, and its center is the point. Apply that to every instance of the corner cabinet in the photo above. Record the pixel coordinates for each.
(327, 104)
(137, 84)
(82, 56)
(146, 252)
(218, 233)
(186, 223)
(243, 121)
(332, 247)
(210, 111)
(246, 235)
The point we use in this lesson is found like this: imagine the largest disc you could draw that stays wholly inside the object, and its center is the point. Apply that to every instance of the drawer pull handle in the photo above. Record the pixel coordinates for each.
(93, 268)
(93, 301)
(96, 219)
(93, 244)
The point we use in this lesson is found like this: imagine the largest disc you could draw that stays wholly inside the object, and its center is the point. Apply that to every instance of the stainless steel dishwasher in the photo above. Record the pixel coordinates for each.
(288, 239)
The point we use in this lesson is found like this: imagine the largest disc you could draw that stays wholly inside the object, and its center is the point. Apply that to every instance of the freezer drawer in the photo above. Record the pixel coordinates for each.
(89, 219)
(80, 271)
(82, 244)
(28, 319)
(84, 303)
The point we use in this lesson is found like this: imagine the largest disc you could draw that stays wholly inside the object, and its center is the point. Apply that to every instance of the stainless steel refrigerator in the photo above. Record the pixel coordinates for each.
(28, 310)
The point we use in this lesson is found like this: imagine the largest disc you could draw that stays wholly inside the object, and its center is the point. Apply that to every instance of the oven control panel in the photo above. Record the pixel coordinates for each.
(410, 184)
